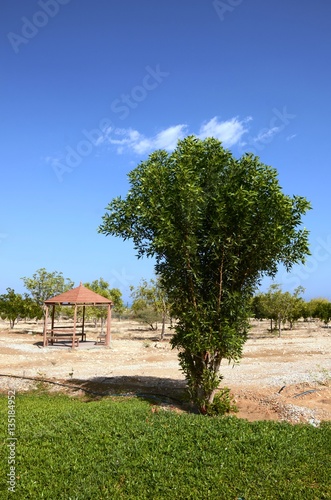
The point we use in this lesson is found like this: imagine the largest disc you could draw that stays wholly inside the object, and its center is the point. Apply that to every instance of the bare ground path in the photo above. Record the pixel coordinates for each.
(287, 378)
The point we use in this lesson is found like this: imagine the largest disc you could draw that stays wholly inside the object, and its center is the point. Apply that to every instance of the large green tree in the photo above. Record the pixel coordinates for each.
(215, 225)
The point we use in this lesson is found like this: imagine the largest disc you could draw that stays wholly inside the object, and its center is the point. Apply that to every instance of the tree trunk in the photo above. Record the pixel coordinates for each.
(163, 326)
(203, 378)
(279, 326)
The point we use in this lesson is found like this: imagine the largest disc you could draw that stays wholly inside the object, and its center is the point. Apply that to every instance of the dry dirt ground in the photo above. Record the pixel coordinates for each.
(287, 378)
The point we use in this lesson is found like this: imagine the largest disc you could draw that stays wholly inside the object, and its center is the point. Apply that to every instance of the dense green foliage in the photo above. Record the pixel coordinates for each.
(215, 226)
(118, 449)
(321, 309)
(282, 307)
(279, 306)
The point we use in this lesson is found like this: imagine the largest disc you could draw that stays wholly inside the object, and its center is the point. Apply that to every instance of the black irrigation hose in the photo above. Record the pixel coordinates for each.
(37, 379)
(78, 388)
(305, 392)
(300, 394)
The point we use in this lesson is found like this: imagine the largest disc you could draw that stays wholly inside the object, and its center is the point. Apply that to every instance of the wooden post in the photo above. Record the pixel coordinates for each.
(83, 325)
(108, 336)
(75, 321)
(45, 326)
(53, 316)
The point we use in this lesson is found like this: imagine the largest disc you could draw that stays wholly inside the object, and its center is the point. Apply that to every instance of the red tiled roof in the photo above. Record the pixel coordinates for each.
(79, 295)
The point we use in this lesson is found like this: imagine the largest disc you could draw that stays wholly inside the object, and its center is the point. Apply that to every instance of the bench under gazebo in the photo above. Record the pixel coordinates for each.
(76, 297)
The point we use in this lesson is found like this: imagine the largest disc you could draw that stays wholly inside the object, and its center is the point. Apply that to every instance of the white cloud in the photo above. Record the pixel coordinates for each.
(229, 132)
(142, 146)
(265, 135)
(168, 138)
(122, 138)
(126, 140)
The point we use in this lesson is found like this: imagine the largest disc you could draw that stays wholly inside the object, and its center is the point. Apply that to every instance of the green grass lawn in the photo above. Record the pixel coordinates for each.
(70, 448)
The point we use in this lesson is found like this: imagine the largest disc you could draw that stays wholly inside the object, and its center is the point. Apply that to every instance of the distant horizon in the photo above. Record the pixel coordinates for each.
(127, 299)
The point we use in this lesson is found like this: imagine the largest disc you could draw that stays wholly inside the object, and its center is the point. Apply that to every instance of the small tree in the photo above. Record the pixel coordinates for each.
(44, 285)
(280, 306)
(215, 225)
(321, 309)
(296, 309)
(257, 307)
(145, 306)
(150, 304)
(116, 296)
(163, 305)
(263, 306)
(102, 288)
(14, 306)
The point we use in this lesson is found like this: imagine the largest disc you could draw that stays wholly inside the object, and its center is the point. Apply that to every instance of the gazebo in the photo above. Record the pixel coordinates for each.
(79, 296)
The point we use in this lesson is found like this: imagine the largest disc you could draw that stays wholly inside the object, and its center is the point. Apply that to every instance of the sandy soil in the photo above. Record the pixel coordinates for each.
(287, 378)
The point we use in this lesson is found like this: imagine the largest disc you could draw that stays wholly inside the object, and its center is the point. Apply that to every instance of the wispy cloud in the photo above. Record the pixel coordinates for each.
(266, 135)
(290, 137)
(169, 137)
(132, 140)
(129, 140)
(280, 119)
(231, 132)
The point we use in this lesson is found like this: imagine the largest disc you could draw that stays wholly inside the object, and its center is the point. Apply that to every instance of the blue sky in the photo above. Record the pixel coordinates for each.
(90, 88)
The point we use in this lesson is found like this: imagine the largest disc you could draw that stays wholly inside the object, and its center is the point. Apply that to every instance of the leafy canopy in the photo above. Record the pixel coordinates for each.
(43, 285)
(203, 198)
(215, 225)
